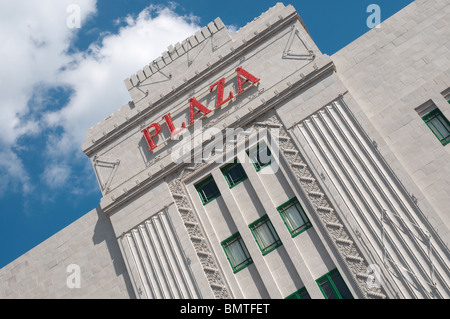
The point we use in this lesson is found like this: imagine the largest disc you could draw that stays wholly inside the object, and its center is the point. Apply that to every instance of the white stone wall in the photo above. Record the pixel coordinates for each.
(156, 261)
(89, 243)
(350, 143)
(294, 265)
(387, 219)
(392, 70)
(119, 137)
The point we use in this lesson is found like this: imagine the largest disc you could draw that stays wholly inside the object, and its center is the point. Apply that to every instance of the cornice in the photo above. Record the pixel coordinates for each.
(251, 35)
(268, 99)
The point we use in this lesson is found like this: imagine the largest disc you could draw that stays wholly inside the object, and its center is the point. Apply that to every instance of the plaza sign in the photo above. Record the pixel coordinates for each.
(196, 108)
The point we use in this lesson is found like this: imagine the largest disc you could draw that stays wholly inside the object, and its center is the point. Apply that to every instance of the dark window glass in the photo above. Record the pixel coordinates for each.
(207, 190)
(439, 125)
(234, 174)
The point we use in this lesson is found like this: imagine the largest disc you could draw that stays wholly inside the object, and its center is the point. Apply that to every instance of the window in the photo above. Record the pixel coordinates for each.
(236, 252)
(260, 156)
(234, 174)
(446, 95)
(301, 294)
(265, 235)
(207, 190)
(439, 125)
(333, 286)
(294, 217)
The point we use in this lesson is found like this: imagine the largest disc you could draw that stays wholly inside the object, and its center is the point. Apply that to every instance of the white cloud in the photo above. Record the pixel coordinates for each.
(232, 28)
(35, 39)
(56, 176)
(13, 175)
(35, 43)
(97, 76)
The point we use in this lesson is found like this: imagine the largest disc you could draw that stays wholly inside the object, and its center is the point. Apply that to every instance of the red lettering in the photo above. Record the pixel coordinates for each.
(171, 127)
(195, 107)
(148, 137)
(220, 88)
(242, 73)
(201, 109)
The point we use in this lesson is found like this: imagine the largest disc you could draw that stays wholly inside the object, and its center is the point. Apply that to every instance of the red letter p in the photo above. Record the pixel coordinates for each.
(149, 138)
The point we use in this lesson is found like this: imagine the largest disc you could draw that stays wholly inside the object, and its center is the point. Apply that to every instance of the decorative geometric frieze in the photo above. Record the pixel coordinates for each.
(330, 220)
(412, 253)
(296, 47)
(156, 262)
(105, 169)
(196, 234)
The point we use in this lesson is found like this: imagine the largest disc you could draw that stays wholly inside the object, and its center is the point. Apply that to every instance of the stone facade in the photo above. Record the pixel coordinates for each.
(45, 270)
(344, 131)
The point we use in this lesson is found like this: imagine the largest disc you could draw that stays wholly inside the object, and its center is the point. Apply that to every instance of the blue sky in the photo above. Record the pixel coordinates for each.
(57, 81)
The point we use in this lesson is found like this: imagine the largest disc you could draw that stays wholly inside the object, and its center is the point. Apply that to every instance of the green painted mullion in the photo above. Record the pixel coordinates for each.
(298, 293)
(336, 291)
(444, 124)
(436, 130)
(256, 163)
(437, 115)
(230, 256)
(256, 229)
(320, 286)
(431, 129)
(256, 236)
(199, 187)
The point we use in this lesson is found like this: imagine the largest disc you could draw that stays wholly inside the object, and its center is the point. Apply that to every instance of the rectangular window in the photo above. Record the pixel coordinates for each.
(265, 235)
(207, 190)
(439, 125)
(446, 95)
(234, 174)
(260, 156)
(301, 294)
(333, 286)
(236, 252)
(294, 217)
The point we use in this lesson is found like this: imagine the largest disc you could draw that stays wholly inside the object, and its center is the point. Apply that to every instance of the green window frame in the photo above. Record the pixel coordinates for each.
(236, 252)
(265, 235)
(258, 157)
(300, 294)
(234, 174)
(294, 217)
(207, 190)
(333, 286)
(439, 125)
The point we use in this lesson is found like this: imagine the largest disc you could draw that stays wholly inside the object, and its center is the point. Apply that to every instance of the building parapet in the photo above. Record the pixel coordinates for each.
(145, 102)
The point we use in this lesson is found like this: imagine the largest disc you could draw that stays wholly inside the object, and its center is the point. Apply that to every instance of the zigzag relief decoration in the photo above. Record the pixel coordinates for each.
(196, 234)
(330, 220)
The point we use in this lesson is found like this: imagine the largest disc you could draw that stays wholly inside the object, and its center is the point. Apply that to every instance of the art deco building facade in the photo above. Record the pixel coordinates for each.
(251, 165)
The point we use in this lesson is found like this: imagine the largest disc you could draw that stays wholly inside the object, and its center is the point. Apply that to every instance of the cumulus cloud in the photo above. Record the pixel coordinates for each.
(37, 57)
(35, 39)
(55, 176)
(13, 175)
(97, 75)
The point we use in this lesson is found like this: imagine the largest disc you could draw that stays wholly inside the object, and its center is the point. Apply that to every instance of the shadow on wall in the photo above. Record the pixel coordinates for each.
(104, 231)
